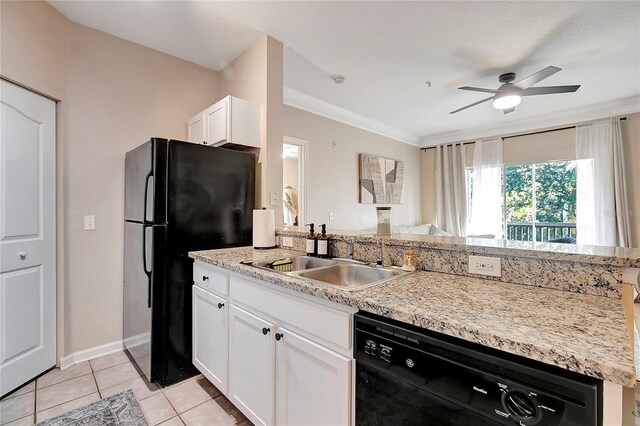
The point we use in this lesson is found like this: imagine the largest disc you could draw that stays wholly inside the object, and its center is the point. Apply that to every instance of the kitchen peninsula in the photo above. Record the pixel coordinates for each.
(559, 305)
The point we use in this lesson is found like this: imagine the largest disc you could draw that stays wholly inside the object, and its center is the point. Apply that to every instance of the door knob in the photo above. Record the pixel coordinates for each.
(265, 330)
(23, 255)
(279, 336)
(220, 305)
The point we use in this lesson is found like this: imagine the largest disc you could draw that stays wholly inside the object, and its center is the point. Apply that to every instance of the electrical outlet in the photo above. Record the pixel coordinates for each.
(484, 265)
(286, 242)
(89, 223)
(330, 215)
(274, 198)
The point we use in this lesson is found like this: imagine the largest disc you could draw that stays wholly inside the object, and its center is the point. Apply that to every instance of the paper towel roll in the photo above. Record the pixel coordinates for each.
(264, 229)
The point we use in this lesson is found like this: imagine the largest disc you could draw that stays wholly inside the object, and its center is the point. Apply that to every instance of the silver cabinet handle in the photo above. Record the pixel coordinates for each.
(23, 255)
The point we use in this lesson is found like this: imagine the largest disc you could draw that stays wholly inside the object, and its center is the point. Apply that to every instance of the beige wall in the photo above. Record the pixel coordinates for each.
(34, 46)
(550, 146)
(120, 94)
(115, 95)
(538, 148)
(332, 182)
(256, 75)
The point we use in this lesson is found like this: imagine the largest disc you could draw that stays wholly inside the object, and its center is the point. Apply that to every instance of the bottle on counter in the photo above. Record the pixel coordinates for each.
(312, 241)
(323, 242)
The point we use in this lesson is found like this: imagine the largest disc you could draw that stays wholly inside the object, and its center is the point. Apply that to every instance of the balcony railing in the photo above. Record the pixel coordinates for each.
(523, 231)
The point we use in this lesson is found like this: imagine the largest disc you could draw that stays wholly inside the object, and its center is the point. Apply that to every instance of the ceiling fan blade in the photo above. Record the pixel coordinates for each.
(477, 89)
(507, 111)
(473, 104)
(532, 91)
(535, 78)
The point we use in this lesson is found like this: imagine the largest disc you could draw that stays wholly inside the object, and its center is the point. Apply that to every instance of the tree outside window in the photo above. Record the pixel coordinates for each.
(541, 201)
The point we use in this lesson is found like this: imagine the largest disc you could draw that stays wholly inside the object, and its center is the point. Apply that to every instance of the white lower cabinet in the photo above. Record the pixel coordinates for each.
(281, 359)
(210, 337)
(252, 366)
(313, 384)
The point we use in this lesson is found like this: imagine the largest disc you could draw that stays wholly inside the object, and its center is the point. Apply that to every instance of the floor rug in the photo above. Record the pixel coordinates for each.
(121, 409)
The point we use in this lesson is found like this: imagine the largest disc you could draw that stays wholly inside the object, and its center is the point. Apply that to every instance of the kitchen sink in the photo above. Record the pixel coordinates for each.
(349, 276)
(298, 263)
(344, 274)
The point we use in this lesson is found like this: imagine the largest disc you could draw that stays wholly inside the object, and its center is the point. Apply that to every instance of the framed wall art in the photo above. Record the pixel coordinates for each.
(380, 180)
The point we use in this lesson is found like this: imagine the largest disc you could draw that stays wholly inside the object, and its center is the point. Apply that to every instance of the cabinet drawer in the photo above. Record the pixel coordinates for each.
(211, 279)
(319, 322)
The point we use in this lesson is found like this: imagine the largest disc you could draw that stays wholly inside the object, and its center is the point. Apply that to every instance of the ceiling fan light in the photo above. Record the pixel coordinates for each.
(506, 102)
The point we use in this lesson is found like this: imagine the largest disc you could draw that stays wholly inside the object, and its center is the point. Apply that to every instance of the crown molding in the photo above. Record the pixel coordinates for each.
(303, 101)
(544, 122)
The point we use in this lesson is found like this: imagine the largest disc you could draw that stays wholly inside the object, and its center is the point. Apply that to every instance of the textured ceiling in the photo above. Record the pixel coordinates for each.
(388, 50)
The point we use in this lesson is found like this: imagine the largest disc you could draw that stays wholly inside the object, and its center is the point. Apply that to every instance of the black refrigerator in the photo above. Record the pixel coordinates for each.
(179, 197)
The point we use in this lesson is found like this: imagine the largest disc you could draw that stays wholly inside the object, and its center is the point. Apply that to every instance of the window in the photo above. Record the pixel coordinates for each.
(539, 200)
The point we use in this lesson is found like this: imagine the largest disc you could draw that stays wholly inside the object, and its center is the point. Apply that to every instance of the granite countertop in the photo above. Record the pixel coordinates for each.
(582, 333)
(602, 255)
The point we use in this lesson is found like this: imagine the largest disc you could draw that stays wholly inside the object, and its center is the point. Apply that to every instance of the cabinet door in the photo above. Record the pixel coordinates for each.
(244, 119)
(216, 122)
(313, 385)
(196, 130)
(210, 337)
(252, 366)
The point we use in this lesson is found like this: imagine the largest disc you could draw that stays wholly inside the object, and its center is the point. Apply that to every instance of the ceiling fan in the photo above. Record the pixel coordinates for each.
(509, 95)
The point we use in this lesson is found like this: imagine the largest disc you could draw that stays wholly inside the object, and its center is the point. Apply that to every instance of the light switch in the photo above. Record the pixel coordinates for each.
(89, 223)
(274, 198)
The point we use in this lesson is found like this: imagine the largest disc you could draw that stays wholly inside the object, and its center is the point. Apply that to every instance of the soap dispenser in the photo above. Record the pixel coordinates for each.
(323, 242)
(312, 241)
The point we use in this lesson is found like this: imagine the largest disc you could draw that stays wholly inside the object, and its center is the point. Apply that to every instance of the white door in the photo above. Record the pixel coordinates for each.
(27, 236)
(210, 337)
(313, 385)
(252, 365)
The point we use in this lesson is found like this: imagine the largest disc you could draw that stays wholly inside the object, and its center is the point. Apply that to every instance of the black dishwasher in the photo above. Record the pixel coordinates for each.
(406, 375)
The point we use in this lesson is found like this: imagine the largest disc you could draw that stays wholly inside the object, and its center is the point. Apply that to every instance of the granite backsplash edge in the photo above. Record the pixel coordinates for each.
(574, 273)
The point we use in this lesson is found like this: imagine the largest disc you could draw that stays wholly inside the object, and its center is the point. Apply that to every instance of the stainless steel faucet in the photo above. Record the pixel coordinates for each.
(350, 249)
(379, 253)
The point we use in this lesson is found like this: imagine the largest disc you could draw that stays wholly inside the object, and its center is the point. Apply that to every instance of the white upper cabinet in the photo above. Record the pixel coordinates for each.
(229, 121)
(195, 129)
(215, 122)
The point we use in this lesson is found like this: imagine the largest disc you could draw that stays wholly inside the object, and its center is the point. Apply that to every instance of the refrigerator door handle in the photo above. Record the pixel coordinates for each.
(144, 262)
(146, 194)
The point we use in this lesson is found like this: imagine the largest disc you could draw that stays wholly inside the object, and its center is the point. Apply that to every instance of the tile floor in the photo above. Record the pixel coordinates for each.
(192, 402)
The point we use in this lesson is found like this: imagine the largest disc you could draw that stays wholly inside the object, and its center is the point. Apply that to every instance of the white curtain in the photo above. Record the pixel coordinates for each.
(451, 192)
(486, 199)
(601, 204)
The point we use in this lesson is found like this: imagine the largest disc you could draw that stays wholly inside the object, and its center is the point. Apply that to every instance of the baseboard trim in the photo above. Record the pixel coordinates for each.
(91, 353)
